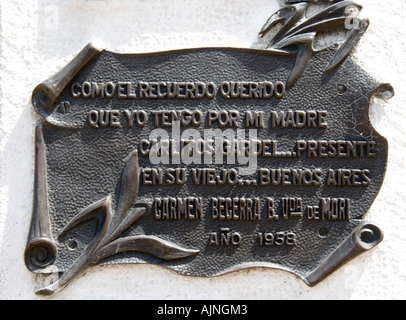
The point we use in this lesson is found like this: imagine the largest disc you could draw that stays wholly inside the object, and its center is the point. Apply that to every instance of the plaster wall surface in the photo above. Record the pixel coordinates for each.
(39, 37)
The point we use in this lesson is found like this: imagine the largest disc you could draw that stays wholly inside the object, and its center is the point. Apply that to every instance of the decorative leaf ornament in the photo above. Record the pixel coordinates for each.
(111, 225)
(297, 33)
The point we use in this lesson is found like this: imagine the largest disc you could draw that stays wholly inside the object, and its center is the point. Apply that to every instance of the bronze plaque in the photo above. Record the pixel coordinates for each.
(210, 160)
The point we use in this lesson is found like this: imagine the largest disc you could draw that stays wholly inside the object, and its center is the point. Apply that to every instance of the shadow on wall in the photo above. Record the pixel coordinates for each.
(65, 27)
(16, 191)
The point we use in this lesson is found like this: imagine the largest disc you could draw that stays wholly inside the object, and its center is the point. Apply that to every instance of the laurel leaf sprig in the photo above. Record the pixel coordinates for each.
(297, 33)
(111, 224)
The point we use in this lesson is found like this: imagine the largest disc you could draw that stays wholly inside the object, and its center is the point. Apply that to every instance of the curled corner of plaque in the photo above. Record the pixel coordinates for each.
(364, 238)
(41, 249)
(45, 95)
(383, 91)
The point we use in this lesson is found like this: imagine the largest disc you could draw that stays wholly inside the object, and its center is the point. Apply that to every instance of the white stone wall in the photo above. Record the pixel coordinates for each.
(38, 38)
